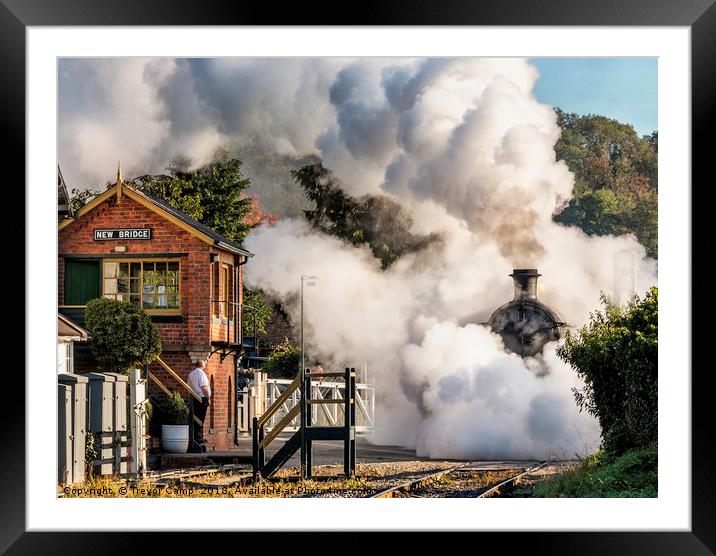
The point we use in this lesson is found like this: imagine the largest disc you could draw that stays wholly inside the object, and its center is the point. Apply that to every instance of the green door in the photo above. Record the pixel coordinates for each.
(82, 281)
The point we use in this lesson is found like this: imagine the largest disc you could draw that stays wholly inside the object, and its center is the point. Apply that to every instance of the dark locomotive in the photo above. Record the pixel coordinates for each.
(525, 323)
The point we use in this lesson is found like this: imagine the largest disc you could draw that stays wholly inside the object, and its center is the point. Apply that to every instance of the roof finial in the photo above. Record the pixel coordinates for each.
(119, 180)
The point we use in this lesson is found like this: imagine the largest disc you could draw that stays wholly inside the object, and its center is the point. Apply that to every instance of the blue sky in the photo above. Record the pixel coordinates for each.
(621, 88)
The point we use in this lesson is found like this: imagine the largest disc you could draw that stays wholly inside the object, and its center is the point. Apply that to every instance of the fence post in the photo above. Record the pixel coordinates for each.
(305, 385)
(243, 407)
(262, 449)
(259, 391)
(76, 427)
(308, 408)
(120, 425)
(101, 417)
(252, 404)
(138, 427)
(64, 434)
(255, 446)
(346, 421)
(353, 422)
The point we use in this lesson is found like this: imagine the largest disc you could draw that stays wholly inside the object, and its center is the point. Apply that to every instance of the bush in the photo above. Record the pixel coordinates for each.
(92, 442)
(633, 474)
(122, 336)
(616, 356)
(176, 411)
(284, 361)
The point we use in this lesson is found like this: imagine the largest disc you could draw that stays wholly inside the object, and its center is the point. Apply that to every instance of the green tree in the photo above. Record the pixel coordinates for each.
(616, 177)
(284, 361)
(616, 356)
(255, 306)
(374, 220)
(80, 197)
(214, 195)
(122, 336)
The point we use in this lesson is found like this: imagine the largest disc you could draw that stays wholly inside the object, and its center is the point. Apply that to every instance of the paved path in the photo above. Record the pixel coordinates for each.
(324, 453)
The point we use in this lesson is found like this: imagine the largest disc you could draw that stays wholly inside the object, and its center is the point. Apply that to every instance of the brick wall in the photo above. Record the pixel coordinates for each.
(219, 421)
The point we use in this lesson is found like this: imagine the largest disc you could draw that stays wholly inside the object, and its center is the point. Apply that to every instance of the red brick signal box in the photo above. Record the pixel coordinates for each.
(127, 245)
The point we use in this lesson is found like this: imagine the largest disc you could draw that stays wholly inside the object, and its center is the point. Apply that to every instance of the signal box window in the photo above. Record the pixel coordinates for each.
(151, 285)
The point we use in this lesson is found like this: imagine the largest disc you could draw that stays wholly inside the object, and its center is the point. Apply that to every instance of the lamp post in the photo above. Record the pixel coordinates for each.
(305, 449)
(310, 282)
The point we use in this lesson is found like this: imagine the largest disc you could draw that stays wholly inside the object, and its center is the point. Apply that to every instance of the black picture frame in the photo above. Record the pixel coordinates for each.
(698, 15)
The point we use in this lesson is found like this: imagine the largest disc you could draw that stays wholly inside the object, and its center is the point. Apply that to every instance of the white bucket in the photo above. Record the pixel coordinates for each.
(175, 438)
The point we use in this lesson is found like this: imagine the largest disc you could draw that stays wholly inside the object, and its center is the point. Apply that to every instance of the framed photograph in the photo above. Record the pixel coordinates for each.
(297, 262)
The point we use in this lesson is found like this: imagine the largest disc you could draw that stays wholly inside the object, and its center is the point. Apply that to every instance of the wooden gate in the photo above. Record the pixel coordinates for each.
(253, 400)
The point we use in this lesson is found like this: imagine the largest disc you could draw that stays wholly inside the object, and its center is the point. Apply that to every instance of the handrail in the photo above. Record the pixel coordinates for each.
(280, 401)
(167, 392)
(290, 416)
(234, 305)
(331, 374)
(237, 309)
(307, 433)
(160, 384)
(179, 379)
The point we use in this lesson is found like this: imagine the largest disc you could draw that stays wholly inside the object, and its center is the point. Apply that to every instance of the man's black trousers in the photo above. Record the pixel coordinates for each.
(200, 408)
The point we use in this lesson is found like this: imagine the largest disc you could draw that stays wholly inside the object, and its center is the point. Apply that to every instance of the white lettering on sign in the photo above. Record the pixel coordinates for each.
(122, 233)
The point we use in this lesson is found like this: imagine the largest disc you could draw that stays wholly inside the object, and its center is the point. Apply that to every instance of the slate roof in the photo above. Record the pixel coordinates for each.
(219, 240)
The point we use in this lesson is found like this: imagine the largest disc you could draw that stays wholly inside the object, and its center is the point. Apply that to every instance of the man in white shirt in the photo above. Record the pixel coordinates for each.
(199, 383)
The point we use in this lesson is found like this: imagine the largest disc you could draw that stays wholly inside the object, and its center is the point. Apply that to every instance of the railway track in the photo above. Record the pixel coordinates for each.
(415, 487)
(497, 489)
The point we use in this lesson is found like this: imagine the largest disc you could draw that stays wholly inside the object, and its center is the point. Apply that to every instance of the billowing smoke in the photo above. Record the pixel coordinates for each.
(464, 146)
(446, 385)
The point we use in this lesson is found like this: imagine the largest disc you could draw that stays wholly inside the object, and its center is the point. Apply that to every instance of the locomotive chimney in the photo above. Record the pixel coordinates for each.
(525, 280)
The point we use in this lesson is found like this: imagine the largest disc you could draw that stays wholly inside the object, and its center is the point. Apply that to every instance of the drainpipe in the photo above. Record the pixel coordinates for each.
(238, 322)
(236, 400)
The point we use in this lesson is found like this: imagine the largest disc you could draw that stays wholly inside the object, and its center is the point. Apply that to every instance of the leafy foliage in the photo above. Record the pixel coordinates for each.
(175, 410)
(616, 356)
(284, 361)
(633, 474)
(92, 442)
(122, 336)
(80, 198)
(374, 220)
(616, 178)
(260, 309)
(213, 195)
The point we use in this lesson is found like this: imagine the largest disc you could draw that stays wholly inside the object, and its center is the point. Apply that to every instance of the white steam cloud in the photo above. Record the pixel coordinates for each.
(464, 145)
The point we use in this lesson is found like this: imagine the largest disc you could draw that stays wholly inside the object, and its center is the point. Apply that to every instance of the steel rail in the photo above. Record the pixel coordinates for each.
(423, 481)
(417, 483)
(496, 489)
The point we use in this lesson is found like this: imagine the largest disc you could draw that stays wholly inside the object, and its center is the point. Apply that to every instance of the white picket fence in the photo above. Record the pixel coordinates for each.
(263, 392)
